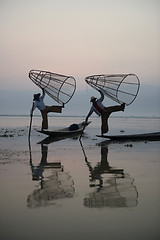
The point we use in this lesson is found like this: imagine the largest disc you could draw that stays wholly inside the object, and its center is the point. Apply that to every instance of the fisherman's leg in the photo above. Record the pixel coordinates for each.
(44, 119)
(116, 108)
(57, 109)
(104, 123)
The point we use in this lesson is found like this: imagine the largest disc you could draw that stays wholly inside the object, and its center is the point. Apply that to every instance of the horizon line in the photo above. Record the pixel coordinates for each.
(76, 116)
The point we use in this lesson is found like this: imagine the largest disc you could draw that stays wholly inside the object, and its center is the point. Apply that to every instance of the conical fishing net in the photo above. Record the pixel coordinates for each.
(115, 193)
(122, 88)
(57, 186)
(59, 87)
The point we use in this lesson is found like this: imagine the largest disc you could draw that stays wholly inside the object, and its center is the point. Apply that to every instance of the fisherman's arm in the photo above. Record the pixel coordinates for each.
(102, 95)
(43, 93)
(33, 108)
(89, 114)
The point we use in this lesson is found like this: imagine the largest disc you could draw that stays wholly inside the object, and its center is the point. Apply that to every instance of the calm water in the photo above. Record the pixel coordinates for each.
(79, 190)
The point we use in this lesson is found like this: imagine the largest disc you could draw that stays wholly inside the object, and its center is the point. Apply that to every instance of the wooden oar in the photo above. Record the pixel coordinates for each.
(85, 124)
(30, 122)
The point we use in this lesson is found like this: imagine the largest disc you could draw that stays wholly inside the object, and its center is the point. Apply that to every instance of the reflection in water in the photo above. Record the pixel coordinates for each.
(58, 185)
(114, 189)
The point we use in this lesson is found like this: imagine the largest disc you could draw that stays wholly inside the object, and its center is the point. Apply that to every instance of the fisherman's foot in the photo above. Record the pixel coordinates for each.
(102, 133)
(123, 106)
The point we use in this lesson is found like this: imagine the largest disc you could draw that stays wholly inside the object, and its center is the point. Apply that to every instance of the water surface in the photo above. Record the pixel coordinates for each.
(79, 190)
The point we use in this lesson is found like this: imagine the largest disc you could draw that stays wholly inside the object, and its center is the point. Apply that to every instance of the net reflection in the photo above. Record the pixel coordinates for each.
(111, 187)
(57, 185)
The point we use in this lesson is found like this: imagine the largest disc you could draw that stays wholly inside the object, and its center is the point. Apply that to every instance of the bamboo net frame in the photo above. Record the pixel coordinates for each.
(122, 88)
(59, 87)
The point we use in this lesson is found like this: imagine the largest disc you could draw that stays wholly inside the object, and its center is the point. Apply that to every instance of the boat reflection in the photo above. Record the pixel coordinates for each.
(111, 187)
(50, 139)
(56, 185)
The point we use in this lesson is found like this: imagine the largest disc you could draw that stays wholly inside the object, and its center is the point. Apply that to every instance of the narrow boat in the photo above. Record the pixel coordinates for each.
(155, 136)
(72, 130)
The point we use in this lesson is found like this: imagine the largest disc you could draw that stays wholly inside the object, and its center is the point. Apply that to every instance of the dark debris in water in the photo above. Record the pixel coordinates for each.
(6, 133)
(129, 145)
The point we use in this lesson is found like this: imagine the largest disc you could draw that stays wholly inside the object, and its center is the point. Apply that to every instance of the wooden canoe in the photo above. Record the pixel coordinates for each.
(155, 136)
(70, 131)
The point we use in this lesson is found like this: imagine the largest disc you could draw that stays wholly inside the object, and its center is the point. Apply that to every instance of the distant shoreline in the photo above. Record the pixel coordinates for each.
(76, 116)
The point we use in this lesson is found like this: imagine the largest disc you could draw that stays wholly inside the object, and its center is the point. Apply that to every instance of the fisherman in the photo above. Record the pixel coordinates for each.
(39, 103)
(102, 111)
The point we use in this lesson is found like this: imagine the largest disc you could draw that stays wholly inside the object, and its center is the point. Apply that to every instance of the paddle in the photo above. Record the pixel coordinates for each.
(30, 122)
(85, 124)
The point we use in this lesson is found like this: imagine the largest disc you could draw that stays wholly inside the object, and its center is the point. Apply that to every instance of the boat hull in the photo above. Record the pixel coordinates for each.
(155, 136)
(66, 132)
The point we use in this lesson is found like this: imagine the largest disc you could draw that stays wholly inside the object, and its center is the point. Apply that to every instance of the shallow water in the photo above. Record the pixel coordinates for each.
(79, 190)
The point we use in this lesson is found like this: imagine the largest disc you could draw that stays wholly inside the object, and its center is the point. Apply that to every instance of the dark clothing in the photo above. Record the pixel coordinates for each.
(103, 112)
(44, 113)
(105, 115)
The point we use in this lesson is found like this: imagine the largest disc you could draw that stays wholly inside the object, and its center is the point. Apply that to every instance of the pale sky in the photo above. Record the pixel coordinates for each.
(78, 38)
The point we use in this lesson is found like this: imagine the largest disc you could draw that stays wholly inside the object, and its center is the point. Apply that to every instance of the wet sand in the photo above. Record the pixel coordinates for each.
(72, 190)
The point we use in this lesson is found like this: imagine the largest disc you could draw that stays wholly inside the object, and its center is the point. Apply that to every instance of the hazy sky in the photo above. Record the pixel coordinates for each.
(78, 38)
